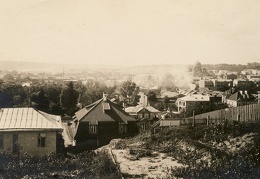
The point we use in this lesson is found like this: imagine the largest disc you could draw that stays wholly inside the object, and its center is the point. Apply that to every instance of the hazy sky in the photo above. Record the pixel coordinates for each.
(130, 32)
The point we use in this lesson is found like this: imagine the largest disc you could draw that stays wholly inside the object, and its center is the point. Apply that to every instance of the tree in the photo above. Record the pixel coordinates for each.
(12, 95)
(53, 91)
(151, 96)
(68, 99)
(9, 77)
(41, 100)
(129, 91)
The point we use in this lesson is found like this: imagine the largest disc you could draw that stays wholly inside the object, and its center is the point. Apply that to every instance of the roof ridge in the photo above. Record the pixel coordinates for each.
(50, 117)
(94, 105)
(118, 108)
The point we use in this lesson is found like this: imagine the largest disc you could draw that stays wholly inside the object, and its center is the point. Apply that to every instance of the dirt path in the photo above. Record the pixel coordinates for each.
(146, 167)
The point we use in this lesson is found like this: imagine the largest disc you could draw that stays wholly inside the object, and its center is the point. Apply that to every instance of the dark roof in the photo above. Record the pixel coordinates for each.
(241, 97)
(103, 110)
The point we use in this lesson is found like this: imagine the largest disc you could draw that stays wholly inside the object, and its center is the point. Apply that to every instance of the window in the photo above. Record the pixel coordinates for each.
(144, 126)
(1, 141)
(42, 140)
(146, 115)
(140, 115)
(122, 128)
(93, 129)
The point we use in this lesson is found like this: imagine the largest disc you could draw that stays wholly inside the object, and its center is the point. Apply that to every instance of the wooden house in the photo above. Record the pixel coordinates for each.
(145, 115)
(96, 124)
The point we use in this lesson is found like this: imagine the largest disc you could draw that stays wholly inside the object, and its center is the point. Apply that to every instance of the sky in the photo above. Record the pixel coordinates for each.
(130, 32)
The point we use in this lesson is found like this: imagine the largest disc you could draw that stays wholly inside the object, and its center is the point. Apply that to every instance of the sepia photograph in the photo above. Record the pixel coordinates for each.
(130, 89)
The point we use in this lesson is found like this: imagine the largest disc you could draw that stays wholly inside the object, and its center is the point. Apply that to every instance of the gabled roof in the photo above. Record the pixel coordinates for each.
(103, 110)
(241, 97)
(28, 119)
(136, 109)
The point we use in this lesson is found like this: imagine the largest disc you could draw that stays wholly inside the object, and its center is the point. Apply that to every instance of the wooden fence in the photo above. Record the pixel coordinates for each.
(248, 113)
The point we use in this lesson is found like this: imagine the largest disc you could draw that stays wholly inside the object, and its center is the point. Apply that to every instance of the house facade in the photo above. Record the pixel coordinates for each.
(145, 115)
(222, 84)
(195, 100)
(26, 130)
(240, 98)
(206, 84)
(96, 124)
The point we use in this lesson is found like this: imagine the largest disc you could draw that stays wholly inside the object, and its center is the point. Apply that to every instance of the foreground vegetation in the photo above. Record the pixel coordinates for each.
(230, 151)
(85, 165)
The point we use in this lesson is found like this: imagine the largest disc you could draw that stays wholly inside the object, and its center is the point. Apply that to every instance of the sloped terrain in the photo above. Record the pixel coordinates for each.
(191, 152)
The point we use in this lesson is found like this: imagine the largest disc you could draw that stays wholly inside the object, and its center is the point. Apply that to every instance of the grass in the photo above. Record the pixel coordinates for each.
(203, 150)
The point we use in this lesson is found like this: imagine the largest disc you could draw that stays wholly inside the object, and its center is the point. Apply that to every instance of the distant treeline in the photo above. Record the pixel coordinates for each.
(232, 67)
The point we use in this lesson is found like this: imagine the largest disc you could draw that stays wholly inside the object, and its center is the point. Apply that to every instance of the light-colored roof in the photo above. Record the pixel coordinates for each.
(28, 119)
(170, 94)
(136, 109)
(195, 97)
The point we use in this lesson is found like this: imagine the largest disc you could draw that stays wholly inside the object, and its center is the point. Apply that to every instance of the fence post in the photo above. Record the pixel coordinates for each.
(207, 120)
(193, 121)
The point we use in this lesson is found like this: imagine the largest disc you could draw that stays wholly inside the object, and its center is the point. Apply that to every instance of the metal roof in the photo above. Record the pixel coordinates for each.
(136, 109)
(27, 119)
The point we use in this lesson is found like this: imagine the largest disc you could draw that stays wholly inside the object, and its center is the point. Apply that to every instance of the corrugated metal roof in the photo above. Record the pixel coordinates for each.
(27, 119)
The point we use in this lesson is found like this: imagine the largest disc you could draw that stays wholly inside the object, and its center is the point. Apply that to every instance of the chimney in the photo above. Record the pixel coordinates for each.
(104, 96)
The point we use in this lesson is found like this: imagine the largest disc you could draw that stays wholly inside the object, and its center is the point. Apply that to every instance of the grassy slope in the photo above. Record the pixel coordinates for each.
(207, 151)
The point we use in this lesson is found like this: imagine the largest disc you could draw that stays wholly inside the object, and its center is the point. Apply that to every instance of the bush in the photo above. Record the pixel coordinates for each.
(84, 165)
(121, 144)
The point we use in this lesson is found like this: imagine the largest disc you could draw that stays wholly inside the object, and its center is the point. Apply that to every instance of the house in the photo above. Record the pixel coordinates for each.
(242, 84)
(241, 98)
(26, 130)
(222, 84)
(189, 102)
(143, 100)
(96, 124)
(206, 84)
(145, 115)
(228, 93)
(253, 77)
(230, 76)
(172, 96)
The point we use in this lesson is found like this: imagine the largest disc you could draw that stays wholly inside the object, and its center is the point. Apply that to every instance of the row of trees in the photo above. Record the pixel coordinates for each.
(60, 98)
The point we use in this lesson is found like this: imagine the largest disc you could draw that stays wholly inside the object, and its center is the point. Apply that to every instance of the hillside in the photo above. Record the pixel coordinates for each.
(191, 152)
